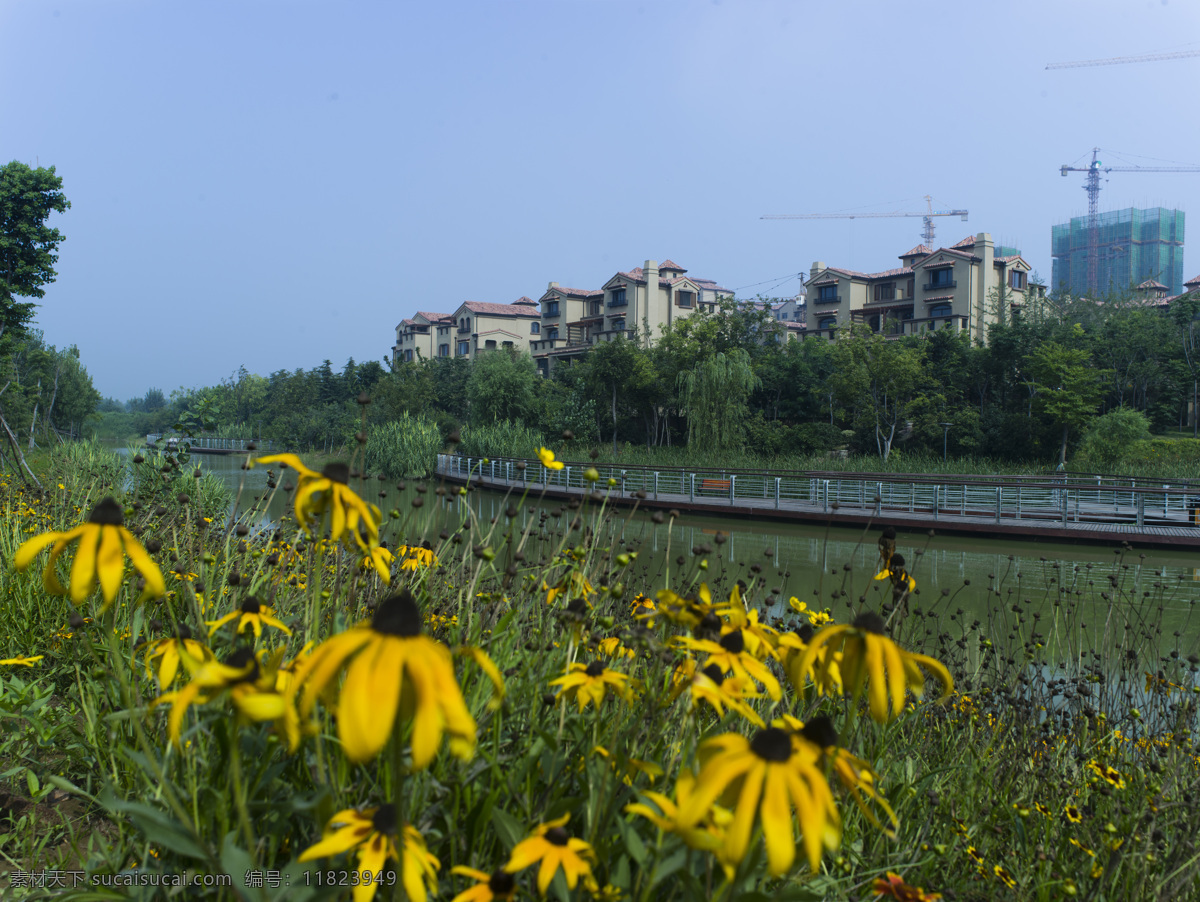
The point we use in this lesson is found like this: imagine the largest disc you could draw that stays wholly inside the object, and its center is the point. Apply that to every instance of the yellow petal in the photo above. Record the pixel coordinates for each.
(30, 549)
(110, 562)
(156, 586)
(778, 832)
(83, 570)
(370, 698)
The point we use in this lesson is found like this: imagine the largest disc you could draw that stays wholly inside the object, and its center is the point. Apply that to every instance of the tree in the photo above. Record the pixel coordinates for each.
(500, 387)
(615, 368)
(878, 378)
(713, 396)
(1185, 313)
(1069, 387)
(28, 247)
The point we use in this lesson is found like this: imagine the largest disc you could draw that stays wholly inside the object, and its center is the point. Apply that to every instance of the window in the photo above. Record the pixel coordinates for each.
(508, 344)
(408, 356)
(685, 299)
(618, 298)
(783, 316)
(464, 348)
(619, 325)
(490, 344)
(827, 293)
(552, 333)
(551, 308)
(885, 291)
(827, 322)
(443, 350)
(1016, 279)
(942, 278)
(940, 310)
(535, 328)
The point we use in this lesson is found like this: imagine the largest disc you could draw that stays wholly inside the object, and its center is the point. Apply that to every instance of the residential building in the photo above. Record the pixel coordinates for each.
(965, 287)
(415, 337)
(641, 303)
(476, 327)
(1132, 246)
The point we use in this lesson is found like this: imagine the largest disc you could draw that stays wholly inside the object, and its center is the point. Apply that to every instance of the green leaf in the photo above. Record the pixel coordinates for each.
(508, 828)
(633, 842)
(236, 862)
(158, 826)
(31, 781)
(669, 866)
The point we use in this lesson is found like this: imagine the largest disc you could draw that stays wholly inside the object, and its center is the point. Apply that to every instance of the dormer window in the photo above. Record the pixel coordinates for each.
(1016, 279)
(618, 298)
(551, 308)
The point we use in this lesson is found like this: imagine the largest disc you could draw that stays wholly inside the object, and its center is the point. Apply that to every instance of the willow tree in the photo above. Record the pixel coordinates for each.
(713, 396)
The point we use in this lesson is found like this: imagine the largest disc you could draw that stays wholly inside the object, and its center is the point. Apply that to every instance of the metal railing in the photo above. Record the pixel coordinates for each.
(1070, 499)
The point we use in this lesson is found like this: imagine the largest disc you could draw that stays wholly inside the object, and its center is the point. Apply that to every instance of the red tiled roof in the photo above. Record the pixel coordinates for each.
(891, 273)
(1151, 284)
(969, 241)
(940, 297)
(524, 299)
(501, 309)
(670, 264)
(576, 292)
(917, 251)
(852, 273)
(1012, 258)
(1195, 281)
(434, 317)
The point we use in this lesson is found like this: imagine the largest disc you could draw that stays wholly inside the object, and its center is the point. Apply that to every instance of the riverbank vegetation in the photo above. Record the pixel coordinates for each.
(471, 709)
(1099, 384)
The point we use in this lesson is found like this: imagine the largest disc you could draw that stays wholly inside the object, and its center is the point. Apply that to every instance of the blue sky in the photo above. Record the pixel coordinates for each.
(275, 183)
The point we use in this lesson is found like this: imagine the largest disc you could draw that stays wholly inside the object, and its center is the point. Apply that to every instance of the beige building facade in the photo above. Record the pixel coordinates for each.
(416, 336)
(964, 288)
(477, 327)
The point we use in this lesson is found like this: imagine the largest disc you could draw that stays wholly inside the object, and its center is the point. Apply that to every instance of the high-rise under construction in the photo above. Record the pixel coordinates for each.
(1131, 246)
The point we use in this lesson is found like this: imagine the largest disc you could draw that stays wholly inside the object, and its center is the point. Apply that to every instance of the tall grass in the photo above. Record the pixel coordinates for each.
(407, 446)
(503, 439)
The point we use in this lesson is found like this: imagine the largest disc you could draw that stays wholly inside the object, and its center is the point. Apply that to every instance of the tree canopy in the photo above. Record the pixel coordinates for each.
(28, 246)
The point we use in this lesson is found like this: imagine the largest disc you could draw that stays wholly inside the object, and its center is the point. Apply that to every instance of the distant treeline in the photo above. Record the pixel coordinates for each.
(723, 380)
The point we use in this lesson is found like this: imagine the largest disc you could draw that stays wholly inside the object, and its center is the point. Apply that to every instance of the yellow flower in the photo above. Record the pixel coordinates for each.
(866, 651)
(824, 667)
(104, 543)
(250, 614)
(730, 655)
(379, 558)
(173, 651)
(249, 682)
(760, 639)
(499, 884)
(685, 611)
(574, 584)
(372, 832)
(814, 618)
(391, 669)
(490, 670)
(887, 545)
(765, 778)
(327, 493)
(711, 685)
(893, 885)
(590, 684)
(546, 456)
(894, 570)
(612, 647)
(22, 660)
(416, 557)
(708, 834)
(554, 848)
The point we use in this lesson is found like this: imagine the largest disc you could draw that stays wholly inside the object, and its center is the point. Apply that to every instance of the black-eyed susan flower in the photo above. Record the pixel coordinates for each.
(814, 617)
(591, 683)
(249, 683)
(251, 614)
(613, 648)
(372, 832)
(546, 456)
(894, 887)
(887, 545)
(22, 661)
(557, 850)
(708, 834)
(687, 612)
(764, 779)
(498, 885)
(416, 557)
(328, 494)
(573, 585)
(1072, 814)
(868, 653)
(894, 570)
(104, 543)
(172, 651)
(380, 560)
(644, 611)
(712, 686)
(1004, 876)
(760, 638)
(730, 654)
(391, 670)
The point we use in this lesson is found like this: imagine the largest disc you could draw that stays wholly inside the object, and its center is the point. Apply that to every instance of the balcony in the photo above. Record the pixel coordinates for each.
(938, 286)
(828, 299)
(463, 330)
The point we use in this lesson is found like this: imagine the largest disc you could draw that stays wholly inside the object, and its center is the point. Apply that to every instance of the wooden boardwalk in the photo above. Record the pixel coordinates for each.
(1088, 521)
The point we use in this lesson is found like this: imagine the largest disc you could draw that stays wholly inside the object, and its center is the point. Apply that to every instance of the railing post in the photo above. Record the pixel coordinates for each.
(777, 493)
(732, 483)
(999, 501)
(878, 498)
(692, 490)
(567, 470)
(656, 485)
(826, 485)
(912, 496)
(1141, 510)
(1018, 501)
(1066, 501)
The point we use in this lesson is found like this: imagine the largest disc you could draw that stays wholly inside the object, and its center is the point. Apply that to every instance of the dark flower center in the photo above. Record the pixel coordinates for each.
(107, 513)
(896, 563)
(889, 532)
(869, 622)
(772, 744)
(557, 836)
(577, 607)
(734, 642)
(384, 820)
(820, 731)
(241, 658)
(337, 471)
(501, 883)
(398, 616)
(805, 632)
(714, 673)
(184, 632)
(251, 606)
(595, 669)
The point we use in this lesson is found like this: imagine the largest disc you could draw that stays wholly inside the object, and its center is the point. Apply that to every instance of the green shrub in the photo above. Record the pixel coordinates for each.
(1109, 436)
(406, 446)
(502, 439)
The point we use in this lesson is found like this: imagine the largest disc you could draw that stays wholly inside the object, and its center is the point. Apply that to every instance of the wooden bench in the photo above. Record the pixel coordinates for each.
(715, 485)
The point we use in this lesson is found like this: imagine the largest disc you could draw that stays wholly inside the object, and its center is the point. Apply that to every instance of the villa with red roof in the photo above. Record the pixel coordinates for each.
(959, 288)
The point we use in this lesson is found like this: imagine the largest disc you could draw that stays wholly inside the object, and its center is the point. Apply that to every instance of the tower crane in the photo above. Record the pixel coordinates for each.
(1119, 60)
(926, 232)
(1092, 187)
